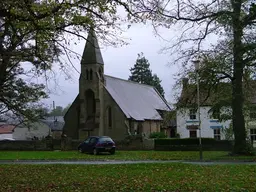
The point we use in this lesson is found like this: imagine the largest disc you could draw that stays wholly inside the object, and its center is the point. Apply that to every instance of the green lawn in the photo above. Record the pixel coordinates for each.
(133, 177)
(121, 155)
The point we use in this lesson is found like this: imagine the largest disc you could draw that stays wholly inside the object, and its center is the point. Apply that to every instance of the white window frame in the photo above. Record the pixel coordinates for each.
(253, 135)
(192, 113)
(217, 135)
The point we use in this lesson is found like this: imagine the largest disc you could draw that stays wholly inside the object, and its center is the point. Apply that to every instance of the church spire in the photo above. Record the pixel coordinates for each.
(92, 53)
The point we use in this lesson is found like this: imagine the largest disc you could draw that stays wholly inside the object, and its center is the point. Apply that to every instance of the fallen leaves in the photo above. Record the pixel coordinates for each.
(132, 177)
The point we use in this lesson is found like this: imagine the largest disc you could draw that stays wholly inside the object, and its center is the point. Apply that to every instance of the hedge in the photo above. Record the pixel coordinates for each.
(191, 144)
(189, 141)
(157, 135)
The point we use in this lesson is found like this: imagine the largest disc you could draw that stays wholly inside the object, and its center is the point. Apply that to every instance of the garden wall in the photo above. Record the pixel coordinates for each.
(68, 144)
(192, 144)
(31, 145)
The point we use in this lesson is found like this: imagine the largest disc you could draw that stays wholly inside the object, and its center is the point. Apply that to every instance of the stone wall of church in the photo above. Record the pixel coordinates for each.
(116, 129)
(150, 127)
(71, 120)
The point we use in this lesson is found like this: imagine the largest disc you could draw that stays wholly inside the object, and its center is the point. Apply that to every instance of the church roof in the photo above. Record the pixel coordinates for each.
(92, 53)
(137, 101)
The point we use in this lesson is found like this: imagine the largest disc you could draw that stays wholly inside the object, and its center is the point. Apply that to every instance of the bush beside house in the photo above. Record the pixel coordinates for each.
(157, 135)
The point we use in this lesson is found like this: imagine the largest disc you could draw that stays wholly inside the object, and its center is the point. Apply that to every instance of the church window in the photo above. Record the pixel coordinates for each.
(90, 102)
(109, 117)
(87, 74)
(100, 73)
(91, 74)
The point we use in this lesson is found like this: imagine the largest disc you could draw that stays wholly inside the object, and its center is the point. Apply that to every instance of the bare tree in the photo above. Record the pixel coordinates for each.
(198, 20)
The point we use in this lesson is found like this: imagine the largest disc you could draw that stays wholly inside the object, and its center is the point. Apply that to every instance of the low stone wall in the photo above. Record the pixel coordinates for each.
(125, 145)
(67, 144)
(136, 144)
(26, 145)
(148, 144)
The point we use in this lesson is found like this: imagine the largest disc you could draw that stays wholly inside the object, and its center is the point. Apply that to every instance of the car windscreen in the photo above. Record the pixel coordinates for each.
(105, 139)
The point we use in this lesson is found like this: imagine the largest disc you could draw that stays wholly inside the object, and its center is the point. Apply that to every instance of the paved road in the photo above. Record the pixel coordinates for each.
(79, 162)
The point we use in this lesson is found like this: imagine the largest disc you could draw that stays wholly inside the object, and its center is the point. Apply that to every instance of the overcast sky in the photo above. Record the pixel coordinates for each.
(119, 60)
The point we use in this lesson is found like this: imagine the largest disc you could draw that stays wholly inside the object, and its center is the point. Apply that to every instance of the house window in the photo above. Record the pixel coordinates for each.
(216, 134)
(192, 113)
(192, 133)
(253, 134)
(109, 117)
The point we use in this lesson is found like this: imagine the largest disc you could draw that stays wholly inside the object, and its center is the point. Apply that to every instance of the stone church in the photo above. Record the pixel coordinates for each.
(109, 105)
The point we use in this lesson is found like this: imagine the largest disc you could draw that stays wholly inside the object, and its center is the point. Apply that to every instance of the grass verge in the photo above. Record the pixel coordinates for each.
(135, 177)
(121, 155)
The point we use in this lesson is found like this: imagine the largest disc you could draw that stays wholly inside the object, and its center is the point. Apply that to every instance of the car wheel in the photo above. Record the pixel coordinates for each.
(95, 151)
(80, 150)
(112, 152)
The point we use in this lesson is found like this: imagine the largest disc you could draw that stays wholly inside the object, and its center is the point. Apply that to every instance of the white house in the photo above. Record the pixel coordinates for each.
(211, 127)
(187, 124)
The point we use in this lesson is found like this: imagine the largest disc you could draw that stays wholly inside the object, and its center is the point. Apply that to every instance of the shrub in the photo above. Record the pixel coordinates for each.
(157, 135)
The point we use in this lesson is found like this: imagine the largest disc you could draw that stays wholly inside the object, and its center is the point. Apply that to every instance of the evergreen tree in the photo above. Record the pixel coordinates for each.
(156, 82)
(142, 73)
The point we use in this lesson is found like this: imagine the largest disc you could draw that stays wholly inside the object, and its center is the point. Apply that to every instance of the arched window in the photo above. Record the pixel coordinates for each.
(87, 74)
(109, 117)
(90, 102)
(91, 74)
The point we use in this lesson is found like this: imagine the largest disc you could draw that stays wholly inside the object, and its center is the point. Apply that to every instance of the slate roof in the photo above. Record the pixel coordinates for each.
(55, 125)
(6, 128)
(210, 95)
(92, 53)
(137, 101)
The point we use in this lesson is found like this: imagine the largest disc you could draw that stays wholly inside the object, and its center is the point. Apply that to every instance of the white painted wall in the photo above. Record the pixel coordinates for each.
(6, 136)
(39, 130)
(207, 122)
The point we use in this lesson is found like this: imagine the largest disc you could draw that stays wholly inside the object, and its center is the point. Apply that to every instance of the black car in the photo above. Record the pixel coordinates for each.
(97, 144)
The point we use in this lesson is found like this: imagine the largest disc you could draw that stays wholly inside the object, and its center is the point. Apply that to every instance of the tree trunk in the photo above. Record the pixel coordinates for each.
(237, 83)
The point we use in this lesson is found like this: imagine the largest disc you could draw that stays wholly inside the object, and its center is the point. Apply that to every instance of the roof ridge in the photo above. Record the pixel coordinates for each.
(163, 99)
(129, 81)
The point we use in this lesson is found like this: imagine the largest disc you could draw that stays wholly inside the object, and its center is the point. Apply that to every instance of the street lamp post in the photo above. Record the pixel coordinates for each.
(196, 63)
